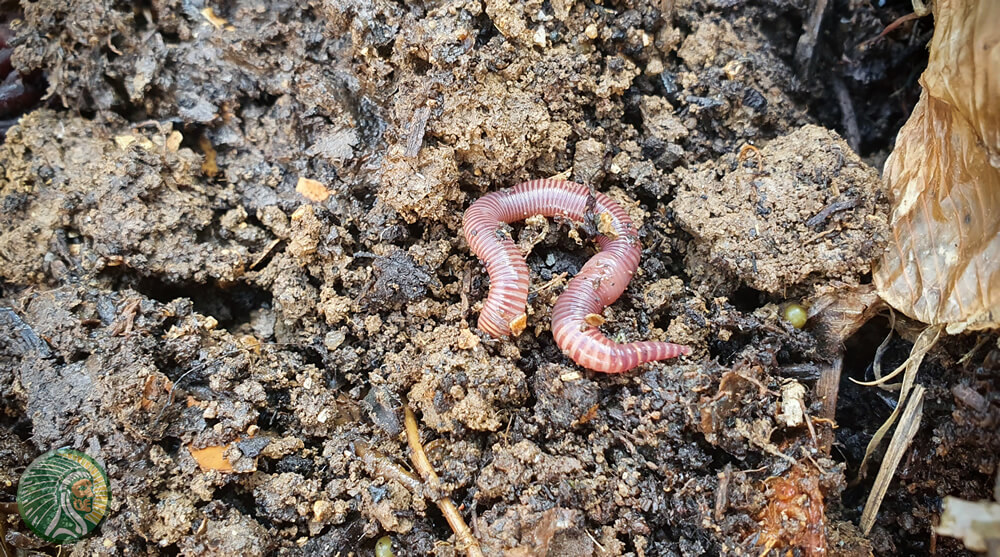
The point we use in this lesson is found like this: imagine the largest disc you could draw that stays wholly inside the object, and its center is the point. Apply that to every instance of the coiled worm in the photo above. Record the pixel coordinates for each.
(599, 283)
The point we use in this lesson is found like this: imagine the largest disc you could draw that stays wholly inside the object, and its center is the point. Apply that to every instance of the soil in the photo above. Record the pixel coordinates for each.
(237, 225)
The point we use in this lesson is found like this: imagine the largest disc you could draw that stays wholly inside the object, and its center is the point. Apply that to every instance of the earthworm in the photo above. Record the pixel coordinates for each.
(599, 283)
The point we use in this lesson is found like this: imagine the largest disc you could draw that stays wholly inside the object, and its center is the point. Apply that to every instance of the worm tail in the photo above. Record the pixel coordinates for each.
(588, 347)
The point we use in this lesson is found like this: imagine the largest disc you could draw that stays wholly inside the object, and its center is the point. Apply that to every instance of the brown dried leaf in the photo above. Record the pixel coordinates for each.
(944, 178)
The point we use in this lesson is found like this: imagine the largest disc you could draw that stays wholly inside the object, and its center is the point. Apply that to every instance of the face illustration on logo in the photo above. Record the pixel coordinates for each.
(83, 495)
(63, 496)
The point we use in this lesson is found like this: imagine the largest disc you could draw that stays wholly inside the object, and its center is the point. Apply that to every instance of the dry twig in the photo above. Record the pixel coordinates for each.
(908, 426)
(463, 534)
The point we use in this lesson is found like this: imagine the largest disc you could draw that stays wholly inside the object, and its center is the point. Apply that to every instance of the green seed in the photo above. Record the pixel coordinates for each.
(796, 314)
(383, 547)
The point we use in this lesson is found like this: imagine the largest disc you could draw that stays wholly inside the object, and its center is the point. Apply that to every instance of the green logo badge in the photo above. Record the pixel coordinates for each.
(63, 495)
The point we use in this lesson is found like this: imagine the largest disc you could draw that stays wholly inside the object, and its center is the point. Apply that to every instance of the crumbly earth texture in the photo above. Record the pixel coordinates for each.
(802, 209)
(233, 229)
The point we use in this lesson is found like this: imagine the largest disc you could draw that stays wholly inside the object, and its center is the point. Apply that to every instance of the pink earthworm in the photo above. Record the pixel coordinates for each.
(599, 283)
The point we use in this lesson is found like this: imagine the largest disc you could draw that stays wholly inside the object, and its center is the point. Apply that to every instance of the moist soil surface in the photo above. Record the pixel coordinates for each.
(236, 226)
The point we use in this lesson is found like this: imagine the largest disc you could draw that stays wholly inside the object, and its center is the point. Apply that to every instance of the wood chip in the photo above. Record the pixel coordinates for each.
(594, 319)
(418, 126)
(216, 21)
(211, 458)
(312, 190)
(174, 141)
(570, 376)
(124, 141)
(209, 167)
(518, 324)
(156, 383)
(265, 255)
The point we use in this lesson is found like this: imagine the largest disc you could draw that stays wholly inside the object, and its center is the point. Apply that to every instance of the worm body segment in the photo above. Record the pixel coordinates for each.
(599, 283)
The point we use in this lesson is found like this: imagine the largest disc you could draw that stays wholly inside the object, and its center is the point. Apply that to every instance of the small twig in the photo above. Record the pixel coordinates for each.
(805, 452)
(593, 539)
(980, 342)
(383, 466)
(827, 389)
(826, 212)
(880, 351)
(892, 27)
(463, 534)
(809, 38)
(847, 116)
(909, 423)
(809, 423)
(561, 277)
(821, 235)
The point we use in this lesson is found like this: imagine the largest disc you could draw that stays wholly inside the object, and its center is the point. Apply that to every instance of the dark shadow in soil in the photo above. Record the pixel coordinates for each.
(878, 75)
(230, 305)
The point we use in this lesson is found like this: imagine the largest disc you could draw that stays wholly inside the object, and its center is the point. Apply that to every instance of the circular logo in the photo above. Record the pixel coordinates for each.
(63, 495)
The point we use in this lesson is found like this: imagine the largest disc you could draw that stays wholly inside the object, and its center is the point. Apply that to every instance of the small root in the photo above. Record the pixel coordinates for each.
(463, 535)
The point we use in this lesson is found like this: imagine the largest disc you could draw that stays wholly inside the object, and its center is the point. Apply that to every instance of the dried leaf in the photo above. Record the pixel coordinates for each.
(924, 343)
(944, 178)
(908, 426)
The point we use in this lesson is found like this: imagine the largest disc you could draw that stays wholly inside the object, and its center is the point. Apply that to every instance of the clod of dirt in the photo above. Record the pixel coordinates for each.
(175, 513)
(807, 209)
(563, 398)
(398, 280)
(422, 186)
(234, 535)
(136, 194)
(559, 532)
(455, 387)
(588, 161)
(285, 497)
(520, 465)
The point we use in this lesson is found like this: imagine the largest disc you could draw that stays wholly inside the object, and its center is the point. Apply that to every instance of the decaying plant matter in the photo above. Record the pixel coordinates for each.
(944, 177)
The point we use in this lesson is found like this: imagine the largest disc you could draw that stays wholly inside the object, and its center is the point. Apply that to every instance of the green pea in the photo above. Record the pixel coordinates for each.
(796, 314)
(383, 547)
